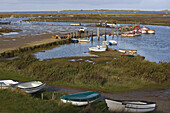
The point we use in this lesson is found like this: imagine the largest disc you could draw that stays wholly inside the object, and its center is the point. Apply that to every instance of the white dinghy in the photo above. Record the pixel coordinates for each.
(130, 106)
(31, 87)
(7, 83)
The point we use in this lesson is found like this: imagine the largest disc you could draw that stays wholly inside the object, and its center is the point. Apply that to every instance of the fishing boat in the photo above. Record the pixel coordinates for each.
(98, 49)
(130, 106)
(112, 42)
(31, 86)
(83, 40)
(128, 51)
(7, 83)
(151, 31)
(80, 99)
(128, 34)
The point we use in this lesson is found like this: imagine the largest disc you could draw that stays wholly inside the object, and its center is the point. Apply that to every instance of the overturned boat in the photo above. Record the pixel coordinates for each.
(31, 86)
(80, 99)
(7, 83)
(130, 106)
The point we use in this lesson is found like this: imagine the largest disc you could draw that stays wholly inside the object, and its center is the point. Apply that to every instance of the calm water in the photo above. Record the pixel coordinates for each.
(155, 47)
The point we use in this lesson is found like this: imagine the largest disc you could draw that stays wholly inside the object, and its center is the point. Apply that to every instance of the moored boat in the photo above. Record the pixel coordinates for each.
(105, 43)
(7, 83)
(130, 106)
(83, 40)
(128, 34)
(151, 31)
(112, 42)
(80, 99)
(74, 40)
(98, 49)
(31, 86)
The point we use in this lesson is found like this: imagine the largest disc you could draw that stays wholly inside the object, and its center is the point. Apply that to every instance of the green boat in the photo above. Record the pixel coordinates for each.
(80, 99)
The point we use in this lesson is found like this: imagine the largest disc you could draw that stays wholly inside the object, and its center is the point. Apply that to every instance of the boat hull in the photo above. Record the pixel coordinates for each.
(97, 49)
(4, 84)
(130, 106)
(31, 87)
(80, 99)
(76, 103)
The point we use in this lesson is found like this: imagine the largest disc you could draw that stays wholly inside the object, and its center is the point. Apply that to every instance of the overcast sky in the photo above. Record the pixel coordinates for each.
(32, 5)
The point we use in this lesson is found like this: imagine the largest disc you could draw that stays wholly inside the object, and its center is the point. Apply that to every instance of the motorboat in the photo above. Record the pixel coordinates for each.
(98, 49)
(112, 42)
(151, 31)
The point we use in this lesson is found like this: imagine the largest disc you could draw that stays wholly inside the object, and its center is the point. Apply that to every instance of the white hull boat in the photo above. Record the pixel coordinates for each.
(31, 87)
(151, 31)
(97, 49)
(83, 40)
(112, 42)
(7, 83)
(130, 106)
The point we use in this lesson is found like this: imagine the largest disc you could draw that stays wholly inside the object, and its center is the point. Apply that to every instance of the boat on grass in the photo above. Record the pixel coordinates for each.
(131, 55)
(80, 99)
(7, 83)
(128, 51)
(31, 86)
(130, 106)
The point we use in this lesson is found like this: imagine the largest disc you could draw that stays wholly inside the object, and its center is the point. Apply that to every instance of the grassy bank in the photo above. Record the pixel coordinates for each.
(7, 30)
(14, 102)
(108, 72)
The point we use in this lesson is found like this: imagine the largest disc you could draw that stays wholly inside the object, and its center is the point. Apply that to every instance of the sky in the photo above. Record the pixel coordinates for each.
(51, 5)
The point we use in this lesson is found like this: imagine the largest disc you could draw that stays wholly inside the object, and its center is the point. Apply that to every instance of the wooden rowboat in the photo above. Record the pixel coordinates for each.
(130, 106)
(80, 99)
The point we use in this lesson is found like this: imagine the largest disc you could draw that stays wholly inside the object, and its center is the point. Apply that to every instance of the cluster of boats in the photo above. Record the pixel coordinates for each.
(84, 98)
(130, 106)
(137, 31)
(27, 87)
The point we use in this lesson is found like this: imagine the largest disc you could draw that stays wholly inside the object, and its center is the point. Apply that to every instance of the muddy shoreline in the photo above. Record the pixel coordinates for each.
(160, 95)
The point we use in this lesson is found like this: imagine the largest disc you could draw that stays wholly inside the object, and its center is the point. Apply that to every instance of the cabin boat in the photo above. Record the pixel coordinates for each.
(130, 106)
(83, 40)
(7, 83)
(112, 42)
(128, 34)
(98, 49)
(81, 99)
(31, 86)
(151, 31)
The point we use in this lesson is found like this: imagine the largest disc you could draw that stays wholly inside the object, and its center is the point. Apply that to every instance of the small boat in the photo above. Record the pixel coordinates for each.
(80, 99)
(130, 106)
(151, 31)
(112, 42)
(83, 29)
(97, 49)
(128, 34)
(7, 83)
(131, 55)
(128, 51)
(105, 43)
(83, 40)
(74, 40)
(31, 86)
(143, 31)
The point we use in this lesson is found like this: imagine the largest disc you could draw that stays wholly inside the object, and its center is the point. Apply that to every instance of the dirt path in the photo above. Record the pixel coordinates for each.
(160, 95)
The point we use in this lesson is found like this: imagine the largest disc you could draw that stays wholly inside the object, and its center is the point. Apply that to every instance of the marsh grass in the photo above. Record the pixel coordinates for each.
(118, 74)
